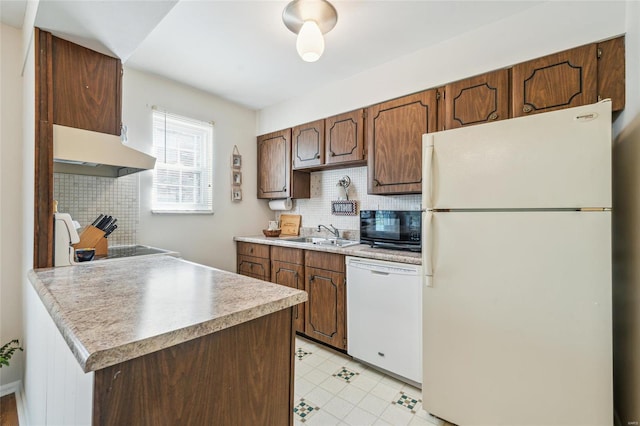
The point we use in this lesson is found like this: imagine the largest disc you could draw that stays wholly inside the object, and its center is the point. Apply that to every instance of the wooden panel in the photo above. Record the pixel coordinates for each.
(394, 137)
(255, 267)
(286, 254)
(291, 275)
(611, 72)
(562, 80)
(308, 144)
(345, 138)
(325, 315)
(322, 260)
(252, 249)
(476, 100)
(86, 88)
(301, 184)
(274, 164)
(242, 375)
(43, 178)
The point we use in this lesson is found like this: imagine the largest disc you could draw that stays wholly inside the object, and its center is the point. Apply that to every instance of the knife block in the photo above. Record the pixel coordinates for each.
(92, 237)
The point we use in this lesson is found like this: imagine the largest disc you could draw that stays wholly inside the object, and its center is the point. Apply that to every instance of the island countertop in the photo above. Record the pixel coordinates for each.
(111, 312)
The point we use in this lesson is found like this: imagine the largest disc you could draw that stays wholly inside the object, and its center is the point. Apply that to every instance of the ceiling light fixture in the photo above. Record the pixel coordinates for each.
(310, 19)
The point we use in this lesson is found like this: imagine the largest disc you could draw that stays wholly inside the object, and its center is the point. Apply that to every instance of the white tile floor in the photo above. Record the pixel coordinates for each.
(332, 389)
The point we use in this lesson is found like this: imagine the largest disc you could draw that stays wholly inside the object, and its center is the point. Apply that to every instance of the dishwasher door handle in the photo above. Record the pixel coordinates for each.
(373, 271)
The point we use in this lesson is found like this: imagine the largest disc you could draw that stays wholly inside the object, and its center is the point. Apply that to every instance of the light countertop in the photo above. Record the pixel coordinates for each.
(358, 250)
(110, 312)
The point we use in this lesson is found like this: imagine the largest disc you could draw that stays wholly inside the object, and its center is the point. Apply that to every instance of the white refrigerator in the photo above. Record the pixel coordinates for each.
(517, 271)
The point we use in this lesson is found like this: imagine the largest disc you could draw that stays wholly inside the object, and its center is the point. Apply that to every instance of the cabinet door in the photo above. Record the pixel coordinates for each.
(562, 80)
(476, 100)
(255, 267)
(394, 138)
(87, 88)
(611, 72)
(344, 138)
(325, 311)
(290, 275)
(308, 145)
(274, 165)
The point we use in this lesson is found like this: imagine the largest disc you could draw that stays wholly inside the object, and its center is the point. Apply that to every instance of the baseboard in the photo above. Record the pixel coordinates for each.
(13, 387)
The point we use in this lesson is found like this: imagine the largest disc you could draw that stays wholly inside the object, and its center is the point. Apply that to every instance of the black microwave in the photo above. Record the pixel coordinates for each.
(396, 229)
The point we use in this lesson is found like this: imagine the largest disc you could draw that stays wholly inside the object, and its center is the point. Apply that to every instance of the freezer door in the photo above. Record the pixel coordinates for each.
(517, 319)
(560, 159)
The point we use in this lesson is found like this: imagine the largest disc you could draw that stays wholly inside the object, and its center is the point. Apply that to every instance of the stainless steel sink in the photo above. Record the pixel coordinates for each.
(338, 242)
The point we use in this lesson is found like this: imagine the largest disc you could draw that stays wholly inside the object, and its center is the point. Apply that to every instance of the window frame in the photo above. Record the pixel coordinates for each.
(172, 123)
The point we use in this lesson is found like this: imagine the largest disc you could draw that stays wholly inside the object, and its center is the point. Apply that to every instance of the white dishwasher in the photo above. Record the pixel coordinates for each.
(384, 315)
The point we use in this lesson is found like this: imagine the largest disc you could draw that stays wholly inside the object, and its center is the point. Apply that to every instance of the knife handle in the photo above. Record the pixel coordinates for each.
(98, 219)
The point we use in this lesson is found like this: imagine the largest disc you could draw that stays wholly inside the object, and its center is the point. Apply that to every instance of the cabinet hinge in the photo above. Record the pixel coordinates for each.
(599, 52)
(364, 114)
(438, 94)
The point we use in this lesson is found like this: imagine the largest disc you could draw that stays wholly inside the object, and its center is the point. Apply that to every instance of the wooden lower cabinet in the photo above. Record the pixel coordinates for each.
(241, 375)
(325, 313)
(287, 268)
(253, 260)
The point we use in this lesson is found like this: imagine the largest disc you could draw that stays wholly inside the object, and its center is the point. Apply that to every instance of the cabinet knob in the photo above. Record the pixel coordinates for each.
(251, 250)
(493, 116)
(284, 188)
(527, 108)
(317, 156)
(333, 154)
(376, 182)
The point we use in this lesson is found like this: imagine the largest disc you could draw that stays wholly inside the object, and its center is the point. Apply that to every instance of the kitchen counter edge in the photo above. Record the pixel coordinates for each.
(92, 360)
(360, 250)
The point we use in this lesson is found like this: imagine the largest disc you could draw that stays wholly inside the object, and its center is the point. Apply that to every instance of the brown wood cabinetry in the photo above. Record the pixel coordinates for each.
(476, 100)
(276, 179)
(394, 139)
(325, 313)
(87, 88)
(344, 138)
(611, 72)
(241, 375)
(287, 268)
(308, 145)
(562, 80)
(253, 260)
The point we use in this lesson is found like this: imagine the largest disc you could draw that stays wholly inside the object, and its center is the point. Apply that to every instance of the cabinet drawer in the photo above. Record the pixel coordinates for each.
(254, 267)
(252, 249)
(286, 254)
(327, 261)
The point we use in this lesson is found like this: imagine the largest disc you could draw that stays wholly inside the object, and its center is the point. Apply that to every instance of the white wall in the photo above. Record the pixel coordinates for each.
(535, 32)
(10, 197)
(206, 239)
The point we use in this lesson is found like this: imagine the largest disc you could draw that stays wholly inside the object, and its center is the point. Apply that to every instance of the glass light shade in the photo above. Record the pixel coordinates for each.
(310, 42)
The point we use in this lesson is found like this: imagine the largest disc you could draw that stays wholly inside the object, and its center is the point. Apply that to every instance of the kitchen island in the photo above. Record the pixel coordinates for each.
(164, 341)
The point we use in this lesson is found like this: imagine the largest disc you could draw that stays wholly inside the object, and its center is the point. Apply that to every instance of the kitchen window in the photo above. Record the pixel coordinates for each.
(182, 178)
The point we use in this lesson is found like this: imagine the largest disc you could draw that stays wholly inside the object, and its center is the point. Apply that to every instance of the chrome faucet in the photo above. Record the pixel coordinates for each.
(333, 230)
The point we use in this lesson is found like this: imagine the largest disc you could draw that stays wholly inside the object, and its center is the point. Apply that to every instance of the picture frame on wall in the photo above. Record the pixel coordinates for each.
(236, 161)
(237, 178)
(236, 194)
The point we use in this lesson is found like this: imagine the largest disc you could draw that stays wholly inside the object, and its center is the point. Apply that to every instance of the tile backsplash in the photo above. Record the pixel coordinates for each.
(317, 209)
(85, 197)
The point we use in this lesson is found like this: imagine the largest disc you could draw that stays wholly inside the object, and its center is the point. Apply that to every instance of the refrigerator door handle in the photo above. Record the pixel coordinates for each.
(427, 170)
(427, 249)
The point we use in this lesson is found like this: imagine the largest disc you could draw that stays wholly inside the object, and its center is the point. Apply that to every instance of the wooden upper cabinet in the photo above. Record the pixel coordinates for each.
(562, 80)
(308, 145)
(87, 88)
(276, 179)
(394, 138)
(476, 100)
(344, 138)
(611, 72)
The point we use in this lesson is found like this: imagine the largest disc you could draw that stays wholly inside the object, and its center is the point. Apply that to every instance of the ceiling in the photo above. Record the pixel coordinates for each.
(241, 51)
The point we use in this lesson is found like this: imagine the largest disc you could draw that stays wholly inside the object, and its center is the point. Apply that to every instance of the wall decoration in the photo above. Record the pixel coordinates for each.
(236, 175)
(344, 208)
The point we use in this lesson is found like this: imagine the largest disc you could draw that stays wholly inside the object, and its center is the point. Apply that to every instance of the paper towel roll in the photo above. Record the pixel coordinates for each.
(282, 204)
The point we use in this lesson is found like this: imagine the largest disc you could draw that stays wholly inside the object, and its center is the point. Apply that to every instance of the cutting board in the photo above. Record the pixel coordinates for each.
(290, 224)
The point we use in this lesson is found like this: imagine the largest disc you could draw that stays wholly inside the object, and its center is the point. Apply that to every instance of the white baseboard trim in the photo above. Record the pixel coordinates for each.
(13, 387)
(16, 387)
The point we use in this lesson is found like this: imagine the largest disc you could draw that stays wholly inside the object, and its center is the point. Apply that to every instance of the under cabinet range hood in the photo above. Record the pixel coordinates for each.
(83, 152)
